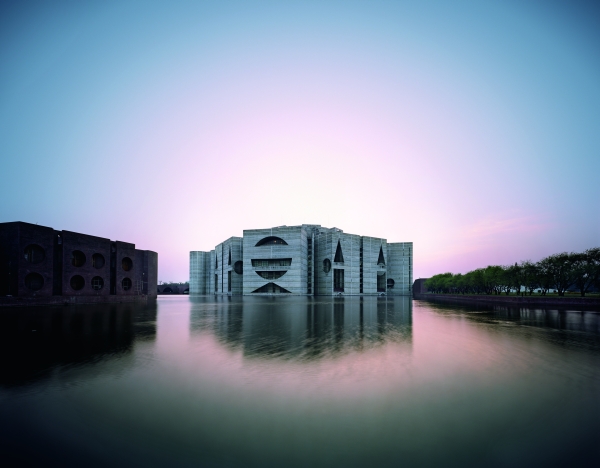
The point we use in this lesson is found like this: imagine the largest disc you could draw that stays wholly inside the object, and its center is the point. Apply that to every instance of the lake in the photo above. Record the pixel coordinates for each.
(299, 381)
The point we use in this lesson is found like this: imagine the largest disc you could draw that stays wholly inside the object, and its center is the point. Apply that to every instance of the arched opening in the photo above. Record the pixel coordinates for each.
(97, 283)
(34, 253)
(238, 267)
(126, 264)
(77, 258)
(77, 282)
(98, 260)
(126, 284)
(326, 265)
(34, 281)
(390, 283)
(271, 240)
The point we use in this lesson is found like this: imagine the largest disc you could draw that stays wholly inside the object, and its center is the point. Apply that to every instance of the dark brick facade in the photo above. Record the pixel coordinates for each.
(87, 248)
(419, 286)
(37, 261)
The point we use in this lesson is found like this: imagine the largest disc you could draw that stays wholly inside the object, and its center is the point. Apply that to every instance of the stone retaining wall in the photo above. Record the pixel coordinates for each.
(512, 300)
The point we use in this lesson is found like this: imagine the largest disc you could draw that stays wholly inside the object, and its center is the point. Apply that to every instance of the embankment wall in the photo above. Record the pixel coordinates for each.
(516, 301)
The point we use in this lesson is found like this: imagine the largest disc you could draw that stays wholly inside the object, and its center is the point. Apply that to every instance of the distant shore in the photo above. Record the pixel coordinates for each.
(591, 302)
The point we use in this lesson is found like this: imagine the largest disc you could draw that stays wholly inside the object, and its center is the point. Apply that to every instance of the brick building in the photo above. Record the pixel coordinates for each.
(38, 261)
(419, 287)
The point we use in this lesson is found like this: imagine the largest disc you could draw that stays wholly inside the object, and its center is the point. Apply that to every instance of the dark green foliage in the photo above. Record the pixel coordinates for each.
(176, 287)
(559, 271)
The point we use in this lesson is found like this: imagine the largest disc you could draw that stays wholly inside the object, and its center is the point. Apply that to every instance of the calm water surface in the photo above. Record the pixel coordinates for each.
(299, 382)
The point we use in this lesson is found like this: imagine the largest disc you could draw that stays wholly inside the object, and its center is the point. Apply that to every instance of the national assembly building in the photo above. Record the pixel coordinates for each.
(303, 260)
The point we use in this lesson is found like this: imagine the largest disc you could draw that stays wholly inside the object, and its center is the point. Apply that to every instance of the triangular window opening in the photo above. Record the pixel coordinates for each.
(339, 256)
(229, 261)
(271, 288)
(381, 260)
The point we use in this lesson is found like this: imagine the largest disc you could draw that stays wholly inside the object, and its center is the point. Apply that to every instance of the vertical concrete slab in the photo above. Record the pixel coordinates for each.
(400, 268)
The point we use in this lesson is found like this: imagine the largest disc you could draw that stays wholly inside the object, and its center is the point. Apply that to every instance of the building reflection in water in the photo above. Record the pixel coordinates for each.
(36, 341)
(303, 328)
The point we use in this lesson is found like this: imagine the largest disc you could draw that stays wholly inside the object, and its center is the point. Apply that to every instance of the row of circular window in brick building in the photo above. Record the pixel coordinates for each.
(36, 254)
(35, 282)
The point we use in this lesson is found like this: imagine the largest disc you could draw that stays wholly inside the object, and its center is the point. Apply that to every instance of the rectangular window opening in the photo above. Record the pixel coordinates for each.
(381, 283)
(338, 280)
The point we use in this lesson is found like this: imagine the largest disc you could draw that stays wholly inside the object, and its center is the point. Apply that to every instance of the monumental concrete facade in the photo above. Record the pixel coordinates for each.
(303, 260)
(38, 262)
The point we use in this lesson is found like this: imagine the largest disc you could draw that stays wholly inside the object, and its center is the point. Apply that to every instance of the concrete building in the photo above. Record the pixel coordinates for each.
(303, 260)
(40, 262)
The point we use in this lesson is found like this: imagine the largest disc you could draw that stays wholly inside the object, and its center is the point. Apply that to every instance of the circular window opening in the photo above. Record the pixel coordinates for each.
(127, 264)
(126, 284)
(77, 282)
(326, 265)
(77, 258)
(34, 281)
(97, 260)
(97, 283)
(34, 253)
(390, 283)
(238, 267)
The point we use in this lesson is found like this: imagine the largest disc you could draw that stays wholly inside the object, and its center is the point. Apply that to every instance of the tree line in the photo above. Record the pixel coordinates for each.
(557, 272)
(175, 287)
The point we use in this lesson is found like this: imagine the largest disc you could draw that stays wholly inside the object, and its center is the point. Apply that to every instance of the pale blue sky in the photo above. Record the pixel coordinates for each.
(469, 128)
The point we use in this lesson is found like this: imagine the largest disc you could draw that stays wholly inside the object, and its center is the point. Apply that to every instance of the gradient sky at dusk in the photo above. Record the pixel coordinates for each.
(469, 128)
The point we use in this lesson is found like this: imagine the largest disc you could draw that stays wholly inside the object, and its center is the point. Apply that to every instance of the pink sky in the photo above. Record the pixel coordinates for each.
(470, 131)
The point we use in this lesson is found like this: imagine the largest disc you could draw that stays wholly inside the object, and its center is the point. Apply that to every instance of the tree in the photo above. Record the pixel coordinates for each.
(492, 279)
(514, 277)
(586, 269)
(438, 283)
(530, 276)
(504, 280)
(460, 283)
(545, 281)
(477, 280)
(560, 271)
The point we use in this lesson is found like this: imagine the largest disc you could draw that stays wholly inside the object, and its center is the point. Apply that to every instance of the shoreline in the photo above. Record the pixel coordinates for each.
(593, 303)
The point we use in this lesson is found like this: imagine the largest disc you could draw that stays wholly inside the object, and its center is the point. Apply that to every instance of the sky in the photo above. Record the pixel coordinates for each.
(470, 128)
